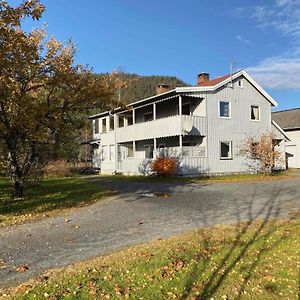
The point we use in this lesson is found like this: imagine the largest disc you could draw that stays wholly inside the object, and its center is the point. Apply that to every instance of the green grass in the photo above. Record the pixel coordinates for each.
(199, 179)
(246, 261)
(48, 197)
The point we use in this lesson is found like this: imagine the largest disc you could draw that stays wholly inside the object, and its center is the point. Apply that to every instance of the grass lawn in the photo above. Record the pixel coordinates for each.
(222, 178)
(259, 260)
(51, 196)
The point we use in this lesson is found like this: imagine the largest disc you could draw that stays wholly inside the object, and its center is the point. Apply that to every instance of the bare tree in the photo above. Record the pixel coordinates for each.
(261, 152)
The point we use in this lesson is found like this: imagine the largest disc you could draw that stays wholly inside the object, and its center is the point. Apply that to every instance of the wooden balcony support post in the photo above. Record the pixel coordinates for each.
(133, 116)
(154, 111)
(180, 114)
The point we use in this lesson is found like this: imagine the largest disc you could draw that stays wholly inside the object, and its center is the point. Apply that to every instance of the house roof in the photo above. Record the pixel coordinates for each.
(215, 81)
(280, 130)
(208, 86)
(287, 119)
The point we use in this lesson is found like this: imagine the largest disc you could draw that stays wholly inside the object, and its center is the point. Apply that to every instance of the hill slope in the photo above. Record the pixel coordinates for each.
(140, 87)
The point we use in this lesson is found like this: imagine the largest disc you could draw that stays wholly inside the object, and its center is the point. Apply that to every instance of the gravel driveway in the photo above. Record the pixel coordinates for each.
(136, 216)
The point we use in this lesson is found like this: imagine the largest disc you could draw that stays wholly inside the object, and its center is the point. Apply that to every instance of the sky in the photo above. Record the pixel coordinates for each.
(184, 38)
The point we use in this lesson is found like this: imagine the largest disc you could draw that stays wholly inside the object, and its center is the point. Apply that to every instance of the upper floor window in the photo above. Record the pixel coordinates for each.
(96, 126)
(121, 121)
(129, 120)
(240, 84)
(111, 123)
(255, 113)
(148, 117)
(104, 125)
(224, 109)
(186, 109)
(225, 150)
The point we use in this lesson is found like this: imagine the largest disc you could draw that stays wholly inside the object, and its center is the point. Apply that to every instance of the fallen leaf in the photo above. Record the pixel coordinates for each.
(22, 268)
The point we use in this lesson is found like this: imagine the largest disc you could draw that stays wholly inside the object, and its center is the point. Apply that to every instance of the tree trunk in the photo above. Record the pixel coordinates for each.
(18, 187)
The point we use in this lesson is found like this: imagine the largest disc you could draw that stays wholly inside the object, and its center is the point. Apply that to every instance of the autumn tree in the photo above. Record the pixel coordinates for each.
(42, 92)
(261, 152)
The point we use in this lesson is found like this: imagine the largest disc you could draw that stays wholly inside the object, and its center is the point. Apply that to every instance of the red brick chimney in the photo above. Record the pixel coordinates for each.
(162, 88)
(202, 78)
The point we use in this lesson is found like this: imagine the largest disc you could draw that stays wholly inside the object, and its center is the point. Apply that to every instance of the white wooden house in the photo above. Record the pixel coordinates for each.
(289, 120)
(203, 126)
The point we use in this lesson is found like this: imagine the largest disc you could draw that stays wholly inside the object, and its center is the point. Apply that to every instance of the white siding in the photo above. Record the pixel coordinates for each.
(235, 129)
(293, 149)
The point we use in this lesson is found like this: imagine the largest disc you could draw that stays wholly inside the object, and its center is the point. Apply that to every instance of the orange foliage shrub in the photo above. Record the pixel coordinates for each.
(164, 165)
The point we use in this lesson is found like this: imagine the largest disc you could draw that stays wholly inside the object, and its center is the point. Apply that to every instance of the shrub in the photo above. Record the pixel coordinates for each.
(164, 165)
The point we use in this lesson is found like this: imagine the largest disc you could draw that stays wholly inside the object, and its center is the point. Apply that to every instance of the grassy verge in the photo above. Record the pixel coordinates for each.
(49, 197)
(258, 260)
(221, 178)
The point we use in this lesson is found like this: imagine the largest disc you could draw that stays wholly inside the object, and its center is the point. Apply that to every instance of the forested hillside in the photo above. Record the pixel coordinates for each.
(140, 87)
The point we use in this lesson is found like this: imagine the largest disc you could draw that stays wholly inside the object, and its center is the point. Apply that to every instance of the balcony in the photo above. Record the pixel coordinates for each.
(164, 127)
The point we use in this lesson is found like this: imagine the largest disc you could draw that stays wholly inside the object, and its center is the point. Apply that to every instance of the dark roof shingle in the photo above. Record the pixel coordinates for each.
(287, 119)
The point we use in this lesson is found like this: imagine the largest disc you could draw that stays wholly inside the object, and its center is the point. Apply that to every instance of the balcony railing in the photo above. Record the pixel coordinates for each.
(164, 127)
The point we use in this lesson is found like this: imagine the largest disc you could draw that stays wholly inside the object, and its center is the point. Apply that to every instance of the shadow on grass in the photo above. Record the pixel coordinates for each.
(244, 241)
(52, 194)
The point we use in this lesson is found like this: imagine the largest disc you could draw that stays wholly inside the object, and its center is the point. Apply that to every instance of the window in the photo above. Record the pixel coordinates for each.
(129, 120)
(226, 150)
(186, 109)
(255, 113)
(240, 84)
(104, 125)
(121, 121)
(96, 126)
(111, 123)
(224, 109)
(129, 149)
(111, 152)
(149, 151)
(148, 117)
(104, 153)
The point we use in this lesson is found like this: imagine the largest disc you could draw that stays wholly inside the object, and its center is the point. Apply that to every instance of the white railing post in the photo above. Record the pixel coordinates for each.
(154, 111)
(180, 127)
(133, 116)
(115, 141)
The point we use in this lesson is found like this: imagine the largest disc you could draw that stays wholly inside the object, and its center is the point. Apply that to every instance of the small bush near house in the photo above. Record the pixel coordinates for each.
(164, 165)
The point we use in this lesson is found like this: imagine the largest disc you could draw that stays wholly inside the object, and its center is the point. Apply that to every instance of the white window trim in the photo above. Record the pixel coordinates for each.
(242, 84)
(230, 149)
(219, 111)
(259, 115)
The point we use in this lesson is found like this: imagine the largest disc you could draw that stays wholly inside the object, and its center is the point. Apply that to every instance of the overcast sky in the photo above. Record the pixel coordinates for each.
(183, 38)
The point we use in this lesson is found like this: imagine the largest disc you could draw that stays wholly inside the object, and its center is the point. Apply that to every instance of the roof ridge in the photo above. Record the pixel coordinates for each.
(289, 109)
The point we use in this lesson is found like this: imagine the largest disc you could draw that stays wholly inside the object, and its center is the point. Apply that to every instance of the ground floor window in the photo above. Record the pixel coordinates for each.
(129, 150)
(111, 152)
(225, 150)
(149, 151)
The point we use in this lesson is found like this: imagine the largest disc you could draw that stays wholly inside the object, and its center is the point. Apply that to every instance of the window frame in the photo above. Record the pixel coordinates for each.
(258, 106)
(240, 84)
(230, 150)
(219, 109)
